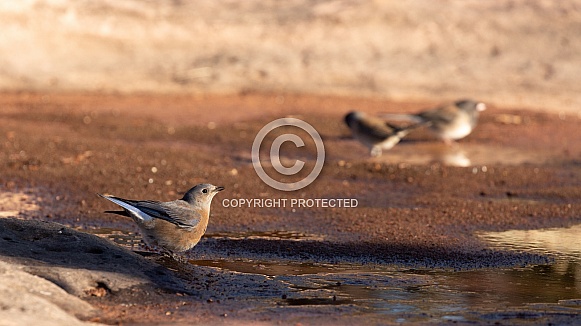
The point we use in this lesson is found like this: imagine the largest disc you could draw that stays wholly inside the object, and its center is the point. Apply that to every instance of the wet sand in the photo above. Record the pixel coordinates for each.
(519, 169)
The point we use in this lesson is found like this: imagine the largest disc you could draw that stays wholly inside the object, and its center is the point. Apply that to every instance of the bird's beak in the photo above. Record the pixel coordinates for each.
(218, 189)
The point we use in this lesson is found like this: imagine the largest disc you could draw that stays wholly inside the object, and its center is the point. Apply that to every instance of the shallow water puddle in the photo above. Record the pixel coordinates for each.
(557, 282)
(563, 243)
(525, 293)
(421, 295)
(266, 235)
(398, 294)
(268, 268)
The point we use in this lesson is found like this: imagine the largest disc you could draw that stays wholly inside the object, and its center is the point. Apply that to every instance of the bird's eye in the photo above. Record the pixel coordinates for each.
(205, 191)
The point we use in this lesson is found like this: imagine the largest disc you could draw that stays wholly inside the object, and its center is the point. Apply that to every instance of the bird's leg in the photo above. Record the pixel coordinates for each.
(166, 253)
(175, 256)
(180, 259)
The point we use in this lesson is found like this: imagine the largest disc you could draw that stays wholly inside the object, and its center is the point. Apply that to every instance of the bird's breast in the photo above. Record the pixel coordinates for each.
(174, 238)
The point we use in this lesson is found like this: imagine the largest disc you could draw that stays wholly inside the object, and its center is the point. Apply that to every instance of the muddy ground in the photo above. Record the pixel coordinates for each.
(520, 169)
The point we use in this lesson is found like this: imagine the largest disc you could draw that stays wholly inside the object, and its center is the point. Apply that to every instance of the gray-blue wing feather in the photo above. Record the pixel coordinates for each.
(174, 212)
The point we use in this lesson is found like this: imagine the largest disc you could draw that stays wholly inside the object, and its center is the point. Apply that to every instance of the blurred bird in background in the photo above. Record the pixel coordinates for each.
(449, 122)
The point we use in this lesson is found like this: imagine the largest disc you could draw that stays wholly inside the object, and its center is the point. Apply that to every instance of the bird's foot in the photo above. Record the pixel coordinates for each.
(177, 257)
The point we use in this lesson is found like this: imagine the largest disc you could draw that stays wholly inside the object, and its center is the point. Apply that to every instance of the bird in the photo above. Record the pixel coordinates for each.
(174, 226)
(449, 122)
(373, 132)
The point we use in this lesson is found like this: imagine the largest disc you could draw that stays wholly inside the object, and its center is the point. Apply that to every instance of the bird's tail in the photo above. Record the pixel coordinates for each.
(122, 213)
(128, 209)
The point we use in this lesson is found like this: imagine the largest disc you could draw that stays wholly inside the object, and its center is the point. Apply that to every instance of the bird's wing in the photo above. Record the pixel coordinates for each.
(402, 117)
(442, 114)
(376, 128)
(177, 212)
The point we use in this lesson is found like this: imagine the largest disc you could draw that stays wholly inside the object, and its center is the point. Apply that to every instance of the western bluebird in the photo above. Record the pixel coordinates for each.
(173, 226)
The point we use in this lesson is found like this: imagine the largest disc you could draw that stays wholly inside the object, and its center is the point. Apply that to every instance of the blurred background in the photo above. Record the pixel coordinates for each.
(524, 54)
